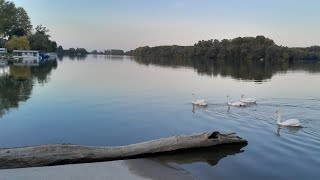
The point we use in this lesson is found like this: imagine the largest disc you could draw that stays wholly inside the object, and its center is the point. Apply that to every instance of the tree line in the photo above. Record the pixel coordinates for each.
(71, 51)
(241, 48)
(110, 52)
(83, 51)
(16, 31)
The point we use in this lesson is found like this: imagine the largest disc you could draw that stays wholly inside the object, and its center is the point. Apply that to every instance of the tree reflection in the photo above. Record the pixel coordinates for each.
(257, 71)
(77, 57)
(16, 85)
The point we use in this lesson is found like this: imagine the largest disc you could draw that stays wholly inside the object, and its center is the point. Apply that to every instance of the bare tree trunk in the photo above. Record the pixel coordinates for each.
(46, 155)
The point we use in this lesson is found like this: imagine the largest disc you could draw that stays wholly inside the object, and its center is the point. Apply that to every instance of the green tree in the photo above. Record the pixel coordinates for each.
(13, 20)
(60, 50)
(81, 51)
(7, 10)
(2, 42)
(54, 46)
(22, 25)
(72, 51)
(40, 40)
(43, 30)
(18, 43)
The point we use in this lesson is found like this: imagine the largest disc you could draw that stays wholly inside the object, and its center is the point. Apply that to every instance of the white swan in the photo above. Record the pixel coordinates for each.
(247, 100)
(236, 103)
(199, 102)
(289, 122)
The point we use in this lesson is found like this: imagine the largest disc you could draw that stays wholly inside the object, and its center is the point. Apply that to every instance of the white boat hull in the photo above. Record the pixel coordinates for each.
(26, 62)
(27, 58)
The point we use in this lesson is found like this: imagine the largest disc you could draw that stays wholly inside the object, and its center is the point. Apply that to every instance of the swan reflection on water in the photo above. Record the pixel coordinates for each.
(290, 129)
(194, 107)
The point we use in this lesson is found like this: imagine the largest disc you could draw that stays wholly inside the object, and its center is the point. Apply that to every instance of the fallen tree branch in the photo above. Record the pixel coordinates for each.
(46, 155)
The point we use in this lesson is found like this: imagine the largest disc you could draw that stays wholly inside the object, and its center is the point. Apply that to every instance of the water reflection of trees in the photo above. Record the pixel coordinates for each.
(244, 70)
(16, 85)
(77, 57)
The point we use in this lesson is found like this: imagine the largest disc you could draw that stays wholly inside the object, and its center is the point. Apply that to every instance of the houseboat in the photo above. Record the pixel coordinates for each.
(3, 53)
(26, 57)
(3, 57)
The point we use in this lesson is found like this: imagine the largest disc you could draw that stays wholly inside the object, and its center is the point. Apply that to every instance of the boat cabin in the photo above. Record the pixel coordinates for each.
(3, 51)
(25, 54)
(26, 57)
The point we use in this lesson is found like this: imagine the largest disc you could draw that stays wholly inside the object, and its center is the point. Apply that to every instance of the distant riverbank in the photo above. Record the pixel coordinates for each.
(257, 48)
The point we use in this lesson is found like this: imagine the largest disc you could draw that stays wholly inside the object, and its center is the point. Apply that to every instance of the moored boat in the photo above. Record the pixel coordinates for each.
(26, 57)
(3, 55)
(44, 55)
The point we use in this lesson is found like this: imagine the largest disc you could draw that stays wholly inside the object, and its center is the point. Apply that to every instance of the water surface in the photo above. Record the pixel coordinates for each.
(109, 101)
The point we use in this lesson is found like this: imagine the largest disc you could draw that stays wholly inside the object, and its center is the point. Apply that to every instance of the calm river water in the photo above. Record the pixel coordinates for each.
(109, 101)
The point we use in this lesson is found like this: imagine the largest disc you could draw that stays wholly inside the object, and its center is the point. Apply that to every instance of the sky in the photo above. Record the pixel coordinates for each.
(128, 24)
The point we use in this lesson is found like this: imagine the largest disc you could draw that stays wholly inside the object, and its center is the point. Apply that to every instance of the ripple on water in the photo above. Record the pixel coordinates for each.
(260, 121)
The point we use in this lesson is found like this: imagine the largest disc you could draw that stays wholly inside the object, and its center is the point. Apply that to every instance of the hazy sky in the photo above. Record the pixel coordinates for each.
(127, 24)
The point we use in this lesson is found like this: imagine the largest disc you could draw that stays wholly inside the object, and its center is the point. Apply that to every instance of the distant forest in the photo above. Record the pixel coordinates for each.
(241, 48)
(83, 51)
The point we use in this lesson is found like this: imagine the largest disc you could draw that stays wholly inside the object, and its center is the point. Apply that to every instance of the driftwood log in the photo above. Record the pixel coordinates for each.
(48, 155)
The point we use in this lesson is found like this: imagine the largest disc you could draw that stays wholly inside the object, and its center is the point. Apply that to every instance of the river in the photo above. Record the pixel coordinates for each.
(112, 100)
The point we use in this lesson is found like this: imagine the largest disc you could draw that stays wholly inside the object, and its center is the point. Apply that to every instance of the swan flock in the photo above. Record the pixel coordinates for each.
(248, 101)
